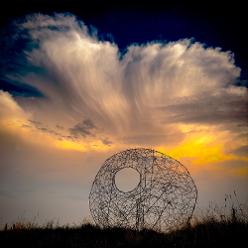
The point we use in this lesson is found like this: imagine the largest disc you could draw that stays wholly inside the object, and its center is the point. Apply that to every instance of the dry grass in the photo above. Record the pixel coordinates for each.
(213, 230)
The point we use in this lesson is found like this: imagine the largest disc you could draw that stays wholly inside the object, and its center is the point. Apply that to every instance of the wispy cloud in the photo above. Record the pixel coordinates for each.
(143, 91)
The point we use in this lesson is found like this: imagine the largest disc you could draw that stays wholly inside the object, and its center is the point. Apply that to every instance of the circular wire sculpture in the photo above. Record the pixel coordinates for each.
(164, 199)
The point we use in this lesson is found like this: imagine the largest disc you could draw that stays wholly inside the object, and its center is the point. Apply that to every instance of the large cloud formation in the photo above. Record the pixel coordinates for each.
(84, 94)
(139, 92)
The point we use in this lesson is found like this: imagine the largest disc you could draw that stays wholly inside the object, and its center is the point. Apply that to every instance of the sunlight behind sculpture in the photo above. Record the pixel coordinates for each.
(163, 200)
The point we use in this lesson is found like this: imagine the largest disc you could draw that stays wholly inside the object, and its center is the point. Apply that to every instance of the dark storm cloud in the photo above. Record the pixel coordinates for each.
(83, 129)
(45, 129)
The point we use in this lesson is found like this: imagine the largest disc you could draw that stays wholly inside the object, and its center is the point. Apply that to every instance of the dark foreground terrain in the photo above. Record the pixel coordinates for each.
(207, 234)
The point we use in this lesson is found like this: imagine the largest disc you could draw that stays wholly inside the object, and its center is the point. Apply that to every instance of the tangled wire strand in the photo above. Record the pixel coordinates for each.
(164, 199)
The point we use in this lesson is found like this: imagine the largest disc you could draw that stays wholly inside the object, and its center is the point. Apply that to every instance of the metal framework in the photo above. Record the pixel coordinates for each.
(164, 199)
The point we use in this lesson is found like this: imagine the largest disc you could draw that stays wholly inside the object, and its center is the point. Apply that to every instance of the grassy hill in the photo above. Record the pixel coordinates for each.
(210, 233)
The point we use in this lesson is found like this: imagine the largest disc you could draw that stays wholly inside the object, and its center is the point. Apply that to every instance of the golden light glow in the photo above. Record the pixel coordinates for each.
(202, 146)
(70, 145)
(205, 147)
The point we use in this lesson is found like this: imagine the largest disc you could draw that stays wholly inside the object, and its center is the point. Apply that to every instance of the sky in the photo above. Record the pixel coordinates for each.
(79, 83)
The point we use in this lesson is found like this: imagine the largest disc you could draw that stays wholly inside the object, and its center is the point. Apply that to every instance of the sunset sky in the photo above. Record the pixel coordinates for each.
(78, 84)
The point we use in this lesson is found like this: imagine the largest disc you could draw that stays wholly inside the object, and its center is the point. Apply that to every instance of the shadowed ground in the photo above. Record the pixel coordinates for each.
(208, 234)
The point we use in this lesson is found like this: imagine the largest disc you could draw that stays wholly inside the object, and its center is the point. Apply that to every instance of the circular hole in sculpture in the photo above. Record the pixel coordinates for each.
(127, 179)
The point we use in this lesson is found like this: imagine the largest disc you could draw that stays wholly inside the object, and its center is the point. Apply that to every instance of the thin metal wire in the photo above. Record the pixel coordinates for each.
(164, 199)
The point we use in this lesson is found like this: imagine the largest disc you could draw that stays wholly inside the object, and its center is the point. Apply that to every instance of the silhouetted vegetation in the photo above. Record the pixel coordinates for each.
(208, 234)
(215, 230)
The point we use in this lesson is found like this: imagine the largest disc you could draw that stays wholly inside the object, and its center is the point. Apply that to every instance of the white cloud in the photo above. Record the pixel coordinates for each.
(82, 77)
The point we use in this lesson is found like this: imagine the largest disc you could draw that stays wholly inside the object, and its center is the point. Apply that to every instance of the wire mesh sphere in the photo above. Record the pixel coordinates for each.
(163, 200)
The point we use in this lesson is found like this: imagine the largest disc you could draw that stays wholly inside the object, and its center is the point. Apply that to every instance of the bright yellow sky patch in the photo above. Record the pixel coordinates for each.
(204, 146)
(69, 145)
